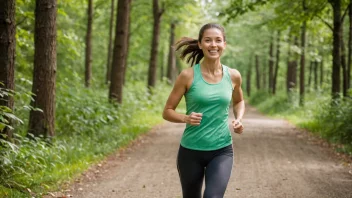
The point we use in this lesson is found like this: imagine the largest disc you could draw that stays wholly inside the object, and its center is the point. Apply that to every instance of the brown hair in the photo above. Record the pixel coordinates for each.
(190, 46)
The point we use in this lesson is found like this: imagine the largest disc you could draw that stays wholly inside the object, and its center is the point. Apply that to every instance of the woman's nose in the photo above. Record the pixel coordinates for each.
(212, 43)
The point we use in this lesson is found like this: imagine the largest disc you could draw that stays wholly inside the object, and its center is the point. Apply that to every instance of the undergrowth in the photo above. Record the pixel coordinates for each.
(88, 128)
(327, 118)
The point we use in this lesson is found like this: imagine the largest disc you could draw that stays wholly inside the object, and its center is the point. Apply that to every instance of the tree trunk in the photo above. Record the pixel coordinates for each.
(315, 75)
(7, 54)
(120, 51)
(321, 72)
(343, 63)
(349, 47)
(248, 79)
(292, 69)
(44, 74)
(288, 71)
(310, 74)
(257, 72)
(271, 64)
(171, 66)
(336, 53)
(302, 61)
(88, 60)
(108, 62)
(277, 62)
(128, 45)
(157, 13)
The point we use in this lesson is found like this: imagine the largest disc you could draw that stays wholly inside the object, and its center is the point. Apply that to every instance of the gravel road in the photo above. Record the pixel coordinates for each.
(272, 159)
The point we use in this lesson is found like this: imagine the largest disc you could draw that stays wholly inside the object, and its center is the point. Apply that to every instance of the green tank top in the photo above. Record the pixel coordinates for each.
(213, 101)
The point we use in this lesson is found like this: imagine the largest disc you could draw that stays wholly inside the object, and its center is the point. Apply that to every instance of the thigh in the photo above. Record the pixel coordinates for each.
(217, 176)
(191, 173)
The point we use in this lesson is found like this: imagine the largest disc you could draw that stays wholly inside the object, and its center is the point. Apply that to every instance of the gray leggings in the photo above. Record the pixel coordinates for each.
(215, 165)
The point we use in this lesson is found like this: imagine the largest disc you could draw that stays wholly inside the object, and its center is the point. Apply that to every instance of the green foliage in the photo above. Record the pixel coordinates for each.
(335, 120)
(7, 117)
(88, 128)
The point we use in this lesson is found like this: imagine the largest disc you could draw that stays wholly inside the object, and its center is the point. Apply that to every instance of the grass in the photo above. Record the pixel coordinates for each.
(330, 122)
(88, 128)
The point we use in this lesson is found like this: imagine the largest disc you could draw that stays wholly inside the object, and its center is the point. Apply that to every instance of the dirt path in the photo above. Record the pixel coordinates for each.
(272, 159)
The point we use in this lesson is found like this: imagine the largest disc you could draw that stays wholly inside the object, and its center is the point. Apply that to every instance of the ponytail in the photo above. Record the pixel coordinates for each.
(189, 47)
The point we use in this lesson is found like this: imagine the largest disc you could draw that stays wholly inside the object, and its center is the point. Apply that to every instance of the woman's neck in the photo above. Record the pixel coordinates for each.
(211, 66)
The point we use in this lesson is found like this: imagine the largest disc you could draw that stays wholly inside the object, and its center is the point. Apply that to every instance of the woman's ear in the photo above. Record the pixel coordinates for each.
(199, 45)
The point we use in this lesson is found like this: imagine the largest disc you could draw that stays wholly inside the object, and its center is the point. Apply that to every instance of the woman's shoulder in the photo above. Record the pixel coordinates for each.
(234, 74)
(187, 73)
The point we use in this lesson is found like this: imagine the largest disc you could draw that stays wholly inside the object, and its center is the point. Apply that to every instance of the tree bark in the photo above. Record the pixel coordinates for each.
(271, 64)
(343, 63)
(277, 62)
(315, 75)
(44, 74)
(336, 53)
(311, 64)
(108, 62)
(292, 69)
(321, 72)
(128, 44)
(249, 76)
(171, 66)
(157, 14)
(257, 72)
(349, 47)
(302, 61)
(7, 54)
(88, 58)
(120, 51)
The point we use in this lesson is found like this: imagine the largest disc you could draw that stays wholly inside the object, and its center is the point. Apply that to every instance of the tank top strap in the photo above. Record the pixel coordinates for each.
(197, 73)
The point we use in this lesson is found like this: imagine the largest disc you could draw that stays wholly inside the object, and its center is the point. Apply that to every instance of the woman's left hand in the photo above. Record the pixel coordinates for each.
(237, 126)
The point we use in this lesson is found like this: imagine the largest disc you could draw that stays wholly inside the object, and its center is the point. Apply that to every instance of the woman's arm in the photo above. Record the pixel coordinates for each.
(237, 100)
(182, 82)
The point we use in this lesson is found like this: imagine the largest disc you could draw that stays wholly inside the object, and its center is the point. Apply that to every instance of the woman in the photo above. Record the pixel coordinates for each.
(206, 145)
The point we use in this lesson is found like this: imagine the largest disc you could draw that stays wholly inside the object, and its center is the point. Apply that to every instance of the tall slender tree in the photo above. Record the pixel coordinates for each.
(336, 51)
(7, 53)
(271, 64)
(44, 74)
(343, 63)
(171, 66)
(303, 56)
(257, 71)
(249, 76)
(108, 62)
(349, 62)
(88, 58)
(119, 60)
(157, 14)
(277, 62)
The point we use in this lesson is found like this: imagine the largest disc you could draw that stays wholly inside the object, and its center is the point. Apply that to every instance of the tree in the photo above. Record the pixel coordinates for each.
(336, 51)
(257, 71)
(157, 14)
(271, 64)
(44, 74)
(303, 56)
(277, 62)
(349, 59)
(108, 62)
(7, 53)
(88, 58)
(171, 66)
(120, 50)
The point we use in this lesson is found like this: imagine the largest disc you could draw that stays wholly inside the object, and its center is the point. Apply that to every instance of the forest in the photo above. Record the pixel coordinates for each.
(81, 79)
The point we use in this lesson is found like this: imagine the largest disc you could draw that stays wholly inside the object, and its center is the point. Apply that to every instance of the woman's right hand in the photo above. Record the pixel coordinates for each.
(193, 118)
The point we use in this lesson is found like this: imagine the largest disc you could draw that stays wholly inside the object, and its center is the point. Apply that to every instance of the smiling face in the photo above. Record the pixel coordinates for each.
(212, 43)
